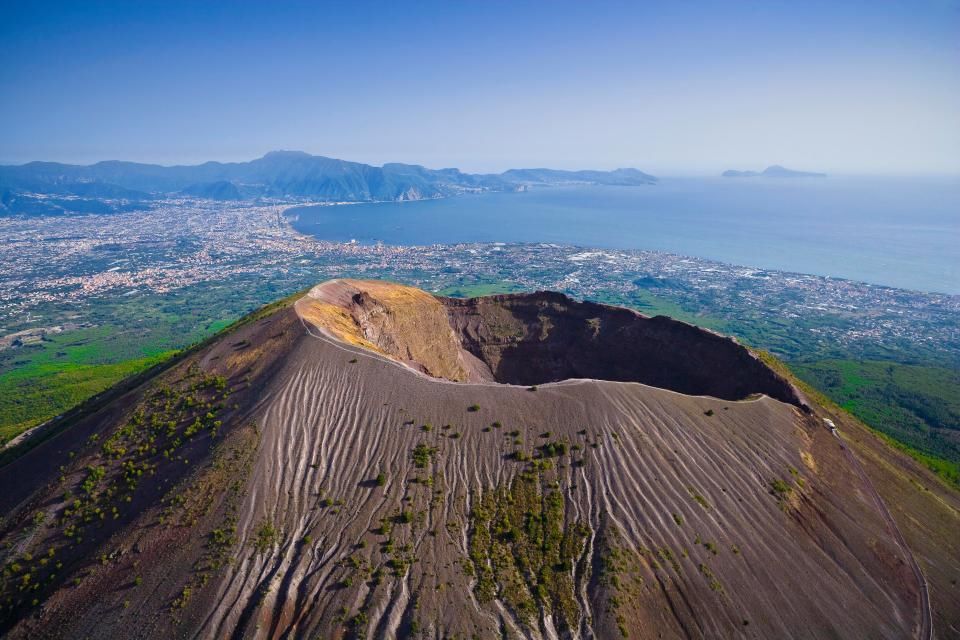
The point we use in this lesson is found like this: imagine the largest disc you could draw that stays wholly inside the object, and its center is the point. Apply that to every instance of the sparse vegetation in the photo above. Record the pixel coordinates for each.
(182, 407)
(698, 498)
(524, 544)
(423, 455)
(780, 488)
(711, 579)
(782, 491)
(267, 536)
(553, 449)
(523, 552)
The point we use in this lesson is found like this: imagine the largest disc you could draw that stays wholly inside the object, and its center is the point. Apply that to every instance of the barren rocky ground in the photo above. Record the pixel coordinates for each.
(372, 461)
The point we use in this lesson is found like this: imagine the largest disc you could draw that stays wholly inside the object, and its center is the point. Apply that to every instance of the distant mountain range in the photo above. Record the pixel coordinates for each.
(773, 171)
(44, 188)
(621, 177)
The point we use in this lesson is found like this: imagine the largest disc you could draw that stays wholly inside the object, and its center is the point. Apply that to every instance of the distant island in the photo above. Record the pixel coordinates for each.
(52, 188)
(773, 171)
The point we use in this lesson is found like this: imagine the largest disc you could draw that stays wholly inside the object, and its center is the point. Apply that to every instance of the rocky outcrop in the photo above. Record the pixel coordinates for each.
(537, 338)
(403, 323)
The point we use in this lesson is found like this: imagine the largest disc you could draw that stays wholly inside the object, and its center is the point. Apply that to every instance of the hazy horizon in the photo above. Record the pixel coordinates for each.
(670, 173)
(690, 89)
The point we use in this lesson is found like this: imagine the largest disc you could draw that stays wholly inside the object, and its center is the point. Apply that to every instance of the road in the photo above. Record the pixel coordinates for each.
(926, 616)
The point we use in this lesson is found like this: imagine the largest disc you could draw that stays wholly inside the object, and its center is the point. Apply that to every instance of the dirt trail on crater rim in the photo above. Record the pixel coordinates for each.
(369, 460)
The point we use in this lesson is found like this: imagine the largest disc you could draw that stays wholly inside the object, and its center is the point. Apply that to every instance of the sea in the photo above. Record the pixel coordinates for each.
(894, 231)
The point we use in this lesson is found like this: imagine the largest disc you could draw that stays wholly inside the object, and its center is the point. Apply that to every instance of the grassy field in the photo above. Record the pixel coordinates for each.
(41, 381)
(916, 405)
(38, 391)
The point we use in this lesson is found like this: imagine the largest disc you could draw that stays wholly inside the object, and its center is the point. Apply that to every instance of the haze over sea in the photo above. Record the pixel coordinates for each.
(899, 232)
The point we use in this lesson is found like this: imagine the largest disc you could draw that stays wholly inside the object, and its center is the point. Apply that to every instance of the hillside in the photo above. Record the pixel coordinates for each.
(278, 174)
(221, 190)
(373, 461)
(618, 177)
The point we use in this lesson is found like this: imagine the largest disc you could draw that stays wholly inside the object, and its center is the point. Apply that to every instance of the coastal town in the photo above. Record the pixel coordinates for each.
(54, 270)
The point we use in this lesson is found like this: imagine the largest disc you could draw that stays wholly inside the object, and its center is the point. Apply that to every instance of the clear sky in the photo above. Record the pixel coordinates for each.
(668, 87)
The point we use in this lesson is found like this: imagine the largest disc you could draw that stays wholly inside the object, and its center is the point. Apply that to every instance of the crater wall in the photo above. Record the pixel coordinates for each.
(531, 339)
(536, 338)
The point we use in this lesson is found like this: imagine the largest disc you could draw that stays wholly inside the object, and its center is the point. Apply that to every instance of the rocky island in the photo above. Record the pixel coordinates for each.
(773, 171)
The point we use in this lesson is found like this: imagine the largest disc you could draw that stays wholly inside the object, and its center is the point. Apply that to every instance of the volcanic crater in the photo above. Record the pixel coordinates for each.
(369, 460)
(537, 338)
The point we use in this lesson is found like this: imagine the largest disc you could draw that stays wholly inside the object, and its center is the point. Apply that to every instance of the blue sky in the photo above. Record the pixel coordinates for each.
(672, 87)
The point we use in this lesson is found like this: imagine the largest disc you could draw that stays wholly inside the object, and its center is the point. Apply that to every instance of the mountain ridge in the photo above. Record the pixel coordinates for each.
(286, 174)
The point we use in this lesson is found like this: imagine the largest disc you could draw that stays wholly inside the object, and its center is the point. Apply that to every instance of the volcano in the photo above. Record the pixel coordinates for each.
(370, 460)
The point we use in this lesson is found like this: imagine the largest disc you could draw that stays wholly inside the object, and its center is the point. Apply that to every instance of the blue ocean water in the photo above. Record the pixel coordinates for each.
(901, 232)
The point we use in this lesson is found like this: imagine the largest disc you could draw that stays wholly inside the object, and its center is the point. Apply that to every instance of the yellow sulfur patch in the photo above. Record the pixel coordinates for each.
(808, 460)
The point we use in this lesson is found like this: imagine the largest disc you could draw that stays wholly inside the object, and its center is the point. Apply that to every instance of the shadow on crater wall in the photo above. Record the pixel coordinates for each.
(530, 339)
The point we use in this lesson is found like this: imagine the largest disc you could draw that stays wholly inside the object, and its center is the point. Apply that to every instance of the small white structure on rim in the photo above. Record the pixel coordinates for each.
(833, 427)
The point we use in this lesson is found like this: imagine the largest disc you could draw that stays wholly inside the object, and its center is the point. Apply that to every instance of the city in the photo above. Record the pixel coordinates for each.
(55, 269)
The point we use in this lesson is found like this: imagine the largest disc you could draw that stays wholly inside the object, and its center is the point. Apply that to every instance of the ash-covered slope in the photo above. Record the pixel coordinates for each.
(308, 475)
